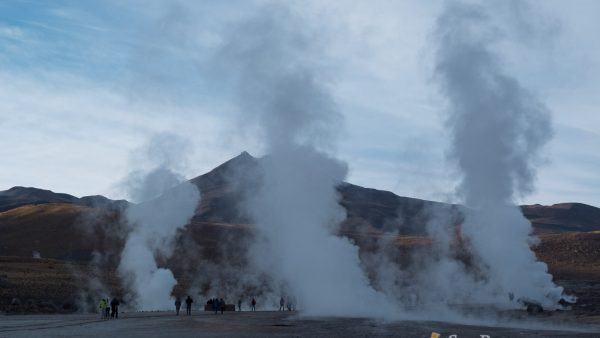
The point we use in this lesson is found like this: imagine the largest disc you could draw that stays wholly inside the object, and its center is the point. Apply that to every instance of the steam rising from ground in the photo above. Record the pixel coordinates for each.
(283, 89)
(167, 204)
(498, 129)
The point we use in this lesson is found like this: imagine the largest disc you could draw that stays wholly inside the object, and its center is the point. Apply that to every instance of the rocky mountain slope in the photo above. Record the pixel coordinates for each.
(53, 233)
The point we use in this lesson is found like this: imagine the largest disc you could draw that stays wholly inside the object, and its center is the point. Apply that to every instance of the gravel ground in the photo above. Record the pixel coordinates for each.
(259, 324)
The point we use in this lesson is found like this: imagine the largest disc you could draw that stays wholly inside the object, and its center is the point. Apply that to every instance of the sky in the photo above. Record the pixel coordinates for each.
(85, 84)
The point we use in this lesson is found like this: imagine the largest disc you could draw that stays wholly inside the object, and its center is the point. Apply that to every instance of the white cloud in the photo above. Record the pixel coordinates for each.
(65, 130)
(77, 137)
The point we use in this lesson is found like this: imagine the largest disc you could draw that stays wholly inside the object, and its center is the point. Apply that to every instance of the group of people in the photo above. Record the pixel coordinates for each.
(283, 304)
(217, 304)
(252, 304)
(188, 305)
(109, 309)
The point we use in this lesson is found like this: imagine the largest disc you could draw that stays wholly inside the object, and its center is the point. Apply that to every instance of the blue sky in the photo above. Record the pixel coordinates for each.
(85, 83)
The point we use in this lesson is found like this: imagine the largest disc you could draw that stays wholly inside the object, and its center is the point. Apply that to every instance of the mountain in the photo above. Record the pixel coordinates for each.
(370, 209)
(19, 196)
(563, 217)
(67, 232)
(224, 189)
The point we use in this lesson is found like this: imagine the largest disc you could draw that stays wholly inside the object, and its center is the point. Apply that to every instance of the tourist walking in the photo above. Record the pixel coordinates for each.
(177, 305)
(188, 305)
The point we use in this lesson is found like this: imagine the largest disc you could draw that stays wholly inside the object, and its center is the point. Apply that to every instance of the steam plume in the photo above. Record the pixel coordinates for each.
(167, 204)
(283, 87)
(498, 129)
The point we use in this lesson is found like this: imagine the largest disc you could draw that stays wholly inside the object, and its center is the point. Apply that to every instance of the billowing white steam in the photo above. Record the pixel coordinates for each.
(167, 204)
(283, 90)
(498, 129)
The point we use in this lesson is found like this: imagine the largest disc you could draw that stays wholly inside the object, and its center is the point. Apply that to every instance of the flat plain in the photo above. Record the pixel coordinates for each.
(266, 323)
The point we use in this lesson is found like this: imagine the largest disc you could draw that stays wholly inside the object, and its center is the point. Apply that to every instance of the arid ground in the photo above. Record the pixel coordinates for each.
(54, 247)
(259, 324)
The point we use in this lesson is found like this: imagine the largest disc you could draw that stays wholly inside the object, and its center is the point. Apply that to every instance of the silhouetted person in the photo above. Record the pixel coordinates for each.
(222, 305)
(281, 304)
(188, 305)
(114, 306)
(253, 304)
(215, 305)
(240, 305)
(106, 309)
(177, 305)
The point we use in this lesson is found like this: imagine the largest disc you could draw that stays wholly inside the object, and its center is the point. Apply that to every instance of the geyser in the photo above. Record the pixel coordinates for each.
(498, 129)
(167, 204)
(283, 88)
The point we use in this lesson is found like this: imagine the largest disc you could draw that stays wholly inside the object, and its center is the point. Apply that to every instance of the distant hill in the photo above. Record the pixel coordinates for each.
(19, 196)
(224, 189)
(563, 217)
(54, 226)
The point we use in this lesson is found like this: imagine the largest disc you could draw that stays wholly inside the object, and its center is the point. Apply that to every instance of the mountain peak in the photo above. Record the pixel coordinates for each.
(243, 162)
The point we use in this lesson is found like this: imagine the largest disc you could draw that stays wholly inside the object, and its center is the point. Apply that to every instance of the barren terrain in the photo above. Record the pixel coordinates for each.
(263, 323)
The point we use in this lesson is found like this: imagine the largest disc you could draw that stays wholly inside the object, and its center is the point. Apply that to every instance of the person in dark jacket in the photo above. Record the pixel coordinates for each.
(240, 304)
(177, 305)
(188, 305)
(215, 304)
(253, 304)
(222, 305)
(114, 307)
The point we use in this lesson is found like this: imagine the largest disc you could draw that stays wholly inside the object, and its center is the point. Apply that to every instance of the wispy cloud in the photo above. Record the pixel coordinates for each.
(94, 79)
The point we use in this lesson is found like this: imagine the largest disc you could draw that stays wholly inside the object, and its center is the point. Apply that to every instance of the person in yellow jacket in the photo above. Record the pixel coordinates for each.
(103, 305)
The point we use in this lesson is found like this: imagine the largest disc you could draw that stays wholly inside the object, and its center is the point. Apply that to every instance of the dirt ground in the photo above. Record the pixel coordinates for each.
(259, 324)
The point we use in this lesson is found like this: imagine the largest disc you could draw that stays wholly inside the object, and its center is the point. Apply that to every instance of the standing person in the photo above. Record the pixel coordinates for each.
(222, 304)
(177, 305)
(253, 303)
(240, 305)
(215, 305)
(188, 305)
(106, 309)
(102, 305)
(281, 304)
(114, 306)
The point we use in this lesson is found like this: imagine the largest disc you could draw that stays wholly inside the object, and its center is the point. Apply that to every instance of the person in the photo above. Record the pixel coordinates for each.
(222, 305)
(177, 305)
(253, 303)
(106, 309)
(114, 306)
(103, 305)
(240, 304)
(215, 305)
(281, 304)
(188, 305)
